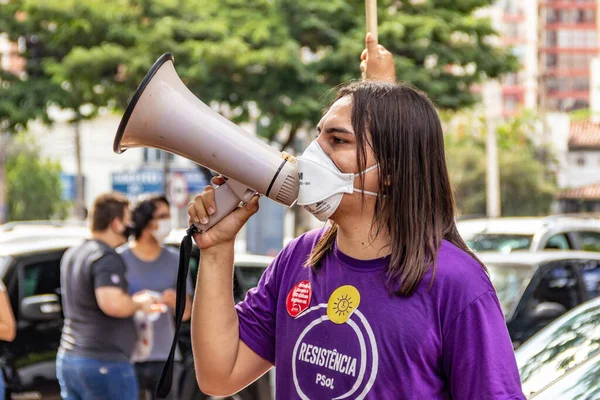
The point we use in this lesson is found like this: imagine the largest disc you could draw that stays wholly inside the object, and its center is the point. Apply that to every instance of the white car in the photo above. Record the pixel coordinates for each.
(27, 231)
(30, 255)
(537, 233)
(563, 360)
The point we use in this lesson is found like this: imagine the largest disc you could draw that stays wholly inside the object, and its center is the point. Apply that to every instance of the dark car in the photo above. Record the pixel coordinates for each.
(563, 360)
(536, 288)
(31, 273)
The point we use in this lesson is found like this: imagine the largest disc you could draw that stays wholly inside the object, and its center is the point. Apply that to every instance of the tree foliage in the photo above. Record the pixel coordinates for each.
(527, 187)
(33, 185)
(272, 60)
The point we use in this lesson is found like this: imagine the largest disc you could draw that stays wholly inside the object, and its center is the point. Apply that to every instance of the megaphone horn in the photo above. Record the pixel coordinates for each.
(164, 114)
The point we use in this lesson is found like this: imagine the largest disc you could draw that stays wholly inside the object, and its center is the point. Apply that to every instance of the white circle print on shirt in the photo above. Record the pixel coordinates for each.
(335, 356)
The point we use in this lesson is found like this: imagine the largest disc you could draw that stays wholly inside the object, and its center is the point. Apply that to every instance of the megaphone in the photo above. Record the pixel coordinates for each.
(164, 114)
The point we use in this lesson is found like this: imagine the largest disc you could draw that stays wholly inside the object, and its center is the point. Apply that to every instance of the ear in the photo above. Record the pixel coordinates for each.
(116, 225)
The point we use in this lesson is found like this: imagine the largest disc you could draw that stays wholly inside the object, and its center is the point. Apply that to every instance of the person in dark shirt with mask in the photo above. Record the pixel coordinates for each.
(98, 334)
(153, 266)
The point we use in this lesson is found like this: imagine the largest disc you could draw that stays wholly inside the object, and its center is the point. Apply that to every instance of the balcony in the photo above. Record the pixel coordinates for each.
(576, 26)
(590, 5)
(570, 50)
(569, 94)
(565, 72)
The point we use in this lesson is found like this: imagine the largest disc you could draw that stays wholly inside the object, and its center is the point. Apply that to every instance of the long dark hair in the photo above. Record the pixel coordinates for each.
(415, 205)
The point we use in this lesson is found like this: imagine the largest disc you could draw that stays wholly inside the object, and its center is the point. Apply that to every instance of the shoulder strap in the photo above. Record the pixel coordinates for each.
(185, 251)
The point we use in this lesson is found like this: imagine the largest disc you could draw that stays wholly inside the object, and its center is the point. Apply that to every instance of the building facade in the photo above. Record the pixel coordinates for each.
(10, 58)
(555, 41)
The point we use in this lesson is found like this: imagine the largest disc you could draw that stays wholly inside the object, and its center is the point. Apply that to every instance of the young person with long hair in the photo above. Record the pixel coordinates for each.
(386, 301)
(152, 266)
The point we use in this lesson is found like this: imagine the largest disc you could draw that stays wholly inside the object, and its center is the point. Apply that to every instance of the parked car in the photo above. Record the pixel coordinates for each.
(26, 231)
(534, 234)
(31, 273)
(536, 288)
(563, 360)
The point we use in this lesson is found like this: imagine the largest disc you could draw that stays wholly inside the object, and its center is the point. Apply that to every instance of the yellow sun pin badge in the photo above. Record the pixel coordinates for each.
(342, 303)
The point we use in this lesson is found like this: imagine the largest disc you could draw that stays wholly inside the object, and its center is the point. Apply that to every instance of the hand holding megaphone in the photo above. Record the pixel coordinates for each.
(207, 205)
(164, 114)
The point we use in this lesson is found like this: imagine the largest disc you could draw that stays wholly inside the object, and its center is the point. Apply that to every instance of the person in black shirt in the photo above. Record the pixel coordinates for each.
(98, 335)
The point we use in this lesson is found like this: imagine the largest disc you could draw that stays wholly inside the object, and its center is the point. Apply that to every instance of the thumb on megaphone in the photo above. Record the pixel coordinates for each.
(243, 214)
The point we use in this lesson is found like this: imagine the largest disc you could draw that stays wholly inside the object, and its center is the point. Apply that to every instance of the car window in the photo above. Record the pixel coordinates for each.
(582, 383)
(554, 290)
(248, 277)
(590, 241)
(558, 284)
(564, 344)
(558, 242)
(508, 281)
(245, 278)
(502, 243)
(590, 271)
(41, 278)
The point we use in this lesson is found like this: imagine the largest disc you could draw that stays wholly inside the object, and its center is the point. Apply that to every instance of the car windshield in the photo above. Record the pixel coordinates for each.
(499, 242)
(564, 344)
(582, 383)
(508, 281)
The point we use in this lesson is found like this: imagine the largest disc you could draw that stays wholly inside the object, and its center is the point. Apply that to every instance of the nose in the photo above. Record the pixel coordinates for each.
(323, 144)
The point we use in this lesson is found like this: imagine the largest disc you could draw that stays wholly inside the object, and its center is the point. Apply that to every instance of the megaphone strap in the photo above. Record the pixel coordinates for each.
(185, 251)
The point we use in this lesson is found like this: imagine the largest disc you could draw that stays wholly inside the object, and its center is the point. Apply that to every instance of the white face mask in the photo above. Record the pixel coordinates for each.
(322, 184)
(163, 230)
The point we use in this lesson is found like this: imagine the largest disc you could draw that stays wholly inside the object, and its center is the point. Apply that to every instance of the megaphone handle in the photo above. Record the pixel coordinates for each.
(228, 197)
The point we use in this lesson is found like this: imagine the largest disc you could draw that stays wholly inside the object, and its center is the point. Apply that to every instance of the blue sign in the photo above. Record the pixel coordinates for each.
(150, 181)
(69, 186)
(264, 230)
(135, 183)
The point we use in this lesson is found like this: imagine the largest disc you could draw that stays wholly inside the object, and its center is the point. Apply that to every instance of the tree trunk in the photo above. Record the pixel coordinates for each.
(291, 137)
(80, 201)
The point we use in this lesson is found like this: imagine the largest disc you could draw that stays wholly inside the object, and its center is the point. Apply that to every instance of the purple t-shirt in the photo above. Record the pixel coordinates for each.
(338, 334)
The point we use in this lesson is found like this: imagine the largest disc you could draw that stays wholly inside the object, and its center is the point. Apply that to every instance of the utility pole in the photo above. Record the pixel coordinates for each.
(4, 140)
(166, 171)
(493, 198)
(493, 201)
(80, 201)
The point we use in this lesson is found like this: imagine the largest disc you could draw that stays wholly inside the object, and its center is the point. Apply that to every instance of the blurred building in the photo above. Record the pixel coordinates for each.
(10, 55)
(556, 41)
(517, 23)
(578, 141)
(136, 173)
(583, 164)
(569, 42)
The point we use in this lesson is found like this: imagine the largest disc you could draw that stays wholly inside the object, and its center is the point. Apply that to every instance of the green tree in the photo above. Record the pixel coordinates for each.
(527, 187)
(270, 61)
(33, 185)
(275, 57)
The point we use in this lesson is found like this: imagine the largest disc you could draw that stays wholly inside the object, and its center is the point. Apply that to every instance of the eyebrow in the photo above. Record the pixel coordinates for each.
(335, 129)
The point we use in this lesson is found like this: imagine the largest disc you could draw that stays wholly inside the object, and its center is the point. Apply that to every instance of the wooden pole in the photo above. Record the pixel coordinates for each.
(371, 16)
